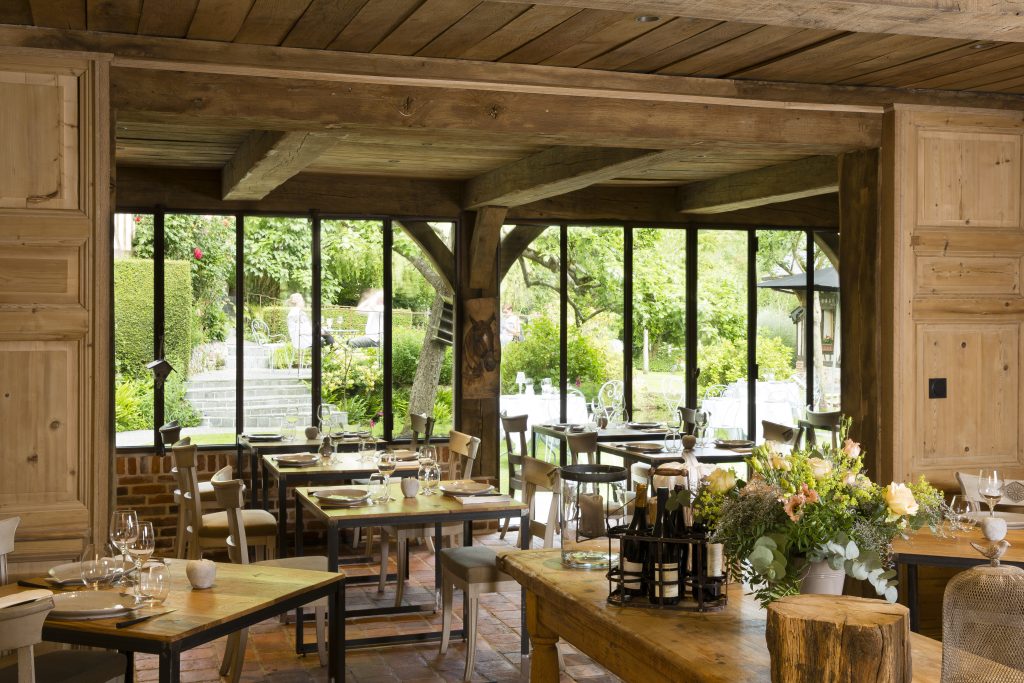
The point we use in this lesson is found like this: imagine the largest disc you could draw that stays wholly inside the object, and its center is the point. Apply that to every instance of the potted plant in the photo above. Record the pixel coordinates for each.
(827, 344)
(809, 514)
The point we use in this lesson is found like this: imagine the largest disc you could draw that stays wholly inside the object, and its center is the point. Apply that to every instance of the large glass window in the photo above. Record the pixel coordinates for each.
(827, 342)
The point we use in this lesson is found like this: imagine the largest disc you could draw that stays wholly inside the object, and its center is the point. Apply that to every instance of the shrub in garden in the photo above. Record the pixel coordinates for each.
(537, 356)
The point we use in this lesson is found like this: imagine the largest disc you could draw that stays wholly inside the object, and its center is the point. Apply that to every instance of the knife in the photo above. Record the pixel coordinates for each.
(138, 620)
(25, 583)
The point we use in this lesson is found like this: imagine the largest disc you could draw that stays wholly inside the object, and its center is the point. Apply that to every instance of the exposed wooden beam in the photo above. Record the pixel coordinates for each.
(483, 249)
(515, 243)
(558, 170)
(132, 51)
(811, 212)
(282, 104)
(798, 179)
(991, 20)
(436, 251)
(267, 158)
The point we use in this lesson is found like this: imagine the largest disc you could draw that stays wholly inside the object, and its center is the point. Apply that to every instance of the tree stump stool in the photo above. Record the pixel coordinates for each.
(838, 639)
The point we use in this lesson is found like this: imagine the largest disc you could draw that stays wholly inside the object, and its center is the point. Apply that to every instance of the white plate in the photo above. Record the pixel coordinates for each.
(465, 487)
(342, 496)
(71, 573)
(297, 459)
(1014, 520)
(91, 605)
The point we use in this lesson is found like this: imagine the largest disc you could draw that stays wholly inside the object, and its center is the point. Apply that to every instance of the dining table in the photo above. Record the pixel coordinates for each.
(620, 433)
(951, 549)
(645, 451)
(649, 644)
(241, 596)
(342, 468)
(251, 448)
(428, 510)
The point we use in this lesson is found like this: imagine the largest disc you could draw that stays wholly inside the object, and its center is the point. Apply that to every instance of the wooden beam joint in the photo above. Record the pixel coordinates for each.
(808, 177)
(266, 159)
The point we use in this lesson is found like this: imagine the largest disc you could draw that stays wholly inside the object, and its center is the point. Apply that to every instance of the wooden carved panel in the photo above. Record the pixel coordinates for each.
(968, 179)
(979, 420)
(39, 133)
(968, 276)
(39, 274)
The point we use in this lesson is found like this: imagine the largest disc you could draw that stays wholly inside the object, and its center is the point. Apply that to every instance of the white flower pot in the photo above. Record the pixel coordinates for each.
(821, 578)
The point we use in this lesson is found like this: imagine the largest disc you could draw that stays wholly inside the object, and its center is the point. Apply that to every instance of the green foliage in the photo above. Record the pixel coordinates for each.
(537, 356)
(774, 358)
(133, 316)
(352, 379)
(406, 346)
(133, 403)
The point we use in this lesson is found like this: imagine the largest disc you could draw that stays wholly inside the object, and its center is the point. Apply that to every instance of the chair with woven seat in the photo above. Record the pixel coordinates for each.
(826, 422)
(783, 435)
(21, 628)
(230, 497)
(514, 424)
(462, 450)
(474, 569)
(582, 444)
(210, 530)
(206, 497)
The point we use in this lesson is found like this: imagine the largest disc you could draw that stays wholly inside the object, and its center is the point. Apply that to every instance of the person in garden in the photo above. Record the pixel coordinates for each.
(371, 303)
(300, 329)
(511, 326)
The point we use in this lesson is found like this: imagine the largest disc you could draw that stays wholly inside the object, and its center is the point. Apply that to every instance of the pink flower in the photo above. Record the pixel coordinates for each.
(809, 494)
(851, 448)
(373, 423)
(794, 506)
(198, 253)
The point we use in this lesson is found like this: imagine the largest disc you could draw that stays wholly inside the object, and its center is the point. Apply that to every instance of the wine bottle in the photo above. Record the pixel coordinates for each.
(634, 553)
(664, 582)
(703, 582)
(682, 530)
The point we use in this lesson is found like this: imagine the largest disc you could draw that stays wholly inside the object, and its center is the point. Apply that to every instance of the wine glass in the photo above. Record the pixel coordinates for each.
(700, 428)
(291, 420)
(990, 486)
(960, 509)
(367, 449)
(429, 473)
(672, 439)
(95, 567)
(124, 529)
(155, 581)
(140, 549)
(386, 464)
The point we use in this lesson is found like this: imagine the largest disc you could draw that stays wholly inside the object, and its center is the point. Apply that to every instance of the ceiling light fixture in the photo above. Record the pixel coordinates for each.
(647, 18)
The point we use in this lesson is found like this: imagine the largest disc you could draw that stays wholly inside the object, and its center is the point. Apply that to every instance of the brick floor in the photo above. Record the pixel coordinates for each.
(270, 655)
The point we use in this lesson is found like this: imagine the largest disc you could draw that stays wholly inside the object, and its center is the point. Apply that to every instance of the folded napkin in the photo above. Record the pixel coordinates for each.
(24, 596)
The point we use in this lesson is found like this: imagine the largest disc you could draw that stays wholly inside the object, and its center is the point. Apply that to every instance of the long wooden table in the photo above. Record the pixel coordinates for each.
(710, 455)
(650, 645)
(925, 548)
(345, 468)
(242, 596)
(433, 511)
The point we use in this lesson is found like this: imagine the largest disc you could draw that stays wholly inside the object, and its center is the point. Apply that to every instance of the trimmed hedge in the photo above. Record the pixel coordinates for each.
(345, 318)
(133, 315)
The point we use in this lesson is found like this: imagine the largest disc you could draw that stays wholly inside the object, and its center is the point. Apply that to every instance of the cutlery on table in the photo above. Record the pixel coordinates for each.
(138, 620)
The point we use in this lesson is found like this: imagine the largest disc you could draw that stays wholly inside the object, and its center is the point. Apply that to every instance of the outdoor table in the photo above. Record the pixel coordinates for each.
(652, 645)
(437, 510)
(925, 548)
(609, 434)
(242, 596)
(298, 445)
(342, 471)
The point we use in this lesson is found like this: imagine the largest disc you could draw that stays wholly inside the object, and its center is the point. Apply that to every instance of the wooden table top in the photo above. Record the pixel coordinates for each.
(239, 590)
(610, 434)
(399, 506)
(347, 466)
(707, 454)
(956, 548)
(723, 647)
(293, 445)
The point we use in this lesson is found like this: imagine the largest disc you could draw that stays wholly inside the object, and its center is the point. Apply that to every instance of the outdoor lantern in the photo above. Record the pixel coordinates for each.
(593, 499)
(160, 369)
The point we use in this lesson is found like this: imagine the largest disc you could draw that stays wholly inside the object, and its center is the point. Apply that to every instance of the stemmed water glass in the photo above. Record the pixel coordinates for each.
(386, 464)
(367, 449)
(700, 428)
(141, 549)
(291, 420)
(429, 473)
(124, 529)
(990, 486)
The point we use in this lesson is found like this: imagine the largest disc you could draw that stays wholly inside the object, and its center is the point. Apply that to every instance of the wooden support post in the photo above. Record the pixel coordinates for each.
(838, 638)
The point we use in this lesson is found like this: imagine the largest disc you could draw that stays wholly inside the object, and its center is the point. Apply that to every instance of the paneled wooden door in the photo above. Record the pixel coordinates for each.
(55, 444)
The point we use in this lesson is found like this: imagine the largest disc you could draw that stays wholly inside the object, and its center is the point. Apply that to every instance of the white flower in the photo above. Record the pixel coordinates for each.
(900, 499)
(851, 448)
(850, 478)
(780, 463)
(721, 481)
(820, 467)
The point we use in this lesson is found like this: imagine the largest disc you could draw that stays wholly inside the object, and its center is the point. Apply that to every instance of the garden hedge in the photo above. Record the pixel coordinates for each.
(133, 315)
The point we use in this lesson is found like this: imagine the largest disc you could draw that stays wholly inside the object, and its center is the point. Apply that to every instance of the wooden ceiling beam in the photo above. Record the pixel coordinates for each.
(798, 179)
(282, 104)
(515, 243)
(558, 170)
(483, 248)
(172, 54)
(267, 158)
(962, 20)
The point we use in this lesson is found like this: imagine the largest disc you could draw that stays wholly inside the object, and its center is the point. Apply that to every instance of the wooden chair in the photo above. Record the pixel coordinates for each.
(474, 569)
(462, 450)
(582, 443)
(689, 418)
(514, 424)
(210, 530)
(781, 434)
(420, 424)
(826, 422)
(8, 528)
(229, 494)
(206, 497)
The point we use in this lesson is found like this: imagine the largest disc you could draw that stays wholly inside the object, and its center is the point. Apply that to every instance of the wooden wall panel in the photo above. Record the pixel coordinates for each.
(55, 428)
(953, 246)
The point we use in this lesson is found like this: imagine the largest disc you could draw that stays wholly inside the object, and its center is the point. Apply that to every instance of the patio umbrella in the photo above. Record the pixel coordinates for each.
(825, 280)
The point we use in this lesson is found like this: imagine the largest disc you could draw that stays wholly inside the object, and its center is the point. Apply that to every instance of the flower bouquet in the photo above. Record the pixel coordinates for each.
(812, 505)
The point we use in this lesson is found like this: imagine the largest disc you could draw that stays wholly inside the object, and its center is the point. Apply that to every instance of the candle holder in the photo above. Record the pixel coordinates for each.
(593, 497)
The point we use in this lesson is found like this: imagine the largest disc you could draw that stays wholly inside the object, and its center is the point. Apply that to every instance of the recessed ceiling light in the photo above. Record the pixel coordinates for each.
(647, 18)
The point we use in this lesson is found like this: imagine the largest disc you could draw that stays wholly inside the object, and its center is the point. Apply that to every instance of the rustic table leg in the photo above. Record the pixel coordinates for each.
(544, 660)
(912, 605)
(282, 506)
(170, 667)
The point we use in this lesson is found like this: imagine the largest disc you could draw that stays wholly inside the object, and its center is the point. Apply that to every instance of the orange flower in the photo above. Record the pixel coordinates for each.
(809, 494)
(794, 506)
